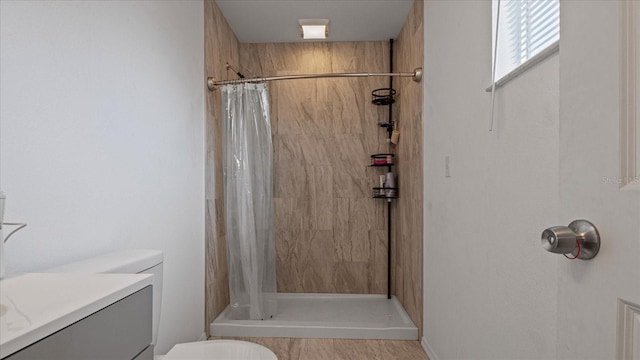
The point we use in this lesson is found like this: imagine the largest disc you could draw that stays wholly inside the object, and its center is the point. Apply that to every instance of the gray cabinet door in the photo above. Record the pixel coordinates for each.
(121, 331)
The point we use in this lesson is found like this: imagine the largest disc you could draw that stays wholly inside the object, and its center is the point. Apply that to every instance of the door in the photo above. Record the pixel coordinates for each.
(589, 292)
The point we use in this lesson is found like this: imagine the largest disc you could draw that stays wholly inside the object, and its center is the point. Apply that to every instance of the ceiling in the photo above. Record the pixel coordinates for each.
(256, 21)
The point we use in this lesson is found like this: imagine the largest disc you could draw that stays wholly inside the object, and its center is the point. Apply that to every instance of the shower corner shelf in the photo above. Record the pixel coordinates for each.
(385, 193)
(382, 160)
(383, 96)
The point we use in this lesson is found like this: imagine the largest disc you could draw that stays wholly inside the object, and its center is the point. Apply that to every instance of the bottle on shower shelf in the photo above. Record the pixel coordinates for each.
(389, 182)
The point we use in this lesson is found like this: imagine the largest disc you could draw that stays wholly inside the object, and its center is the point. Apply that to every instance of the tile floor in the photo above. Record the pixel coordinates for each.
(339, 349)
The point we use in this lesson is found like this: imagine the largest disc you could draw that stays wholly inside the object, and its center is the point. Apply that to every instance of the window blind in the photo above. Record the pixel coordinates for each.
(526, 28)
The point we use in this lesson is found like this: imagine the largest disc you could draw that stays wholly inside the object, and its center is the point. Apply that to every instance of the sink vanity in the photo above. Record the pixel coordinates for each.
(76, 316)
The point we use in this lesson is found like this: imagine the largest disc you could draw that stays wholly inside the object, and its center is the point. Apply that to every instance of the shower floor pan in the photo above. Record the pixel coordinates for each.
(338, 316)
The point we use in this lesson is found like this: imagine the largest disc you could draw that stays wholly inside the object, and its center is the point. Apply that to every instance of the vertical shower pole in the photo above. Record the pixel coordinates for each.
(390, 130)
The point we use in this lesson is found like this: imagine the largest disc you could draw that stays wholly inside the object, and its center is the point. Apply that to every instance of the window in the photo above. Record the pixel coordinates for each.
(526, 28)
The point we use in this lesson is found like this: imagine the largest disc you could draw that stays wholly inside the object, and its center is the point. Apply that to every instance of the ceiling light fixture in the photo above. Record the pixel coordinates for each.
(313, 29)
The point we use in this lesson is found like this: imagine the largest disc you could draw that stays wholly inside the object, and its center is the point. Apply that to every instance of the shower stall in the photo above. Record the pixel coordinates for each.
(319, 129)
(255, 308)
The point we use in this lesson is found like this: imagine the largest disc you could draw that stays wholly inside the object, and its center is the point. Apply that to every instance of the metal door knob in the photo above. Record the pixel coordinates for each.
(580, 239)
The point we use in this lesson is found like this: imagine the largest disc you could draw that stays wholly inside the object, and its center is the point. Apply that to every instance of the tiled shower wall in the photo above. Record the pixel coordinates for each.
(330, 233)
(407, 215)
(221, 46)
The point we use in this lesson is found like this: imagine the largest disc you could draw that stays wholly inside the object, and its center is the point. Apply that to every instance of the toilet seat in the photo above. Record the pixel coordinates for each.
(220, 350)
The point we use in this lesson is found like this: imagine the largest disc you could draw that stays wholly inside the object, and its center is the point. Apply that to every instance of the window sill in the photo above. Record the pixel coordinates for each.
(539, 57)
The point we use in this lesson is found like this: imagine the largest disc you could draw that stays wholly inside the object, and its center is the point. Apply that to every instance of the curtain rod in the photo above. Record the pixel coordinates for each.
(240, 75)
(213, 84)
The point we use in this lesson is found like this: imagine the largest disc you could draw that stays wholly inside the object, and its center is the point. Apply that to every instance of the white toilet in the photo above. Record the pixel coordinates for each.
(150, 262)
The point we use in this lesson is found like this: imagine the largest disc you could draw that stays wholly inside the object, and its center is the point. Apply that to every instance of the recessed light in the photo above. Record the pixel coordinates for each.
(313, 29)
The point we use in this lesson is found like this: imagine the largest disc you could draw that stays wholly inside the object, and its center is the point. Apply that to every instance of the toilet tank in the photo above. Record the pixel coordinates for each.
(129, 262)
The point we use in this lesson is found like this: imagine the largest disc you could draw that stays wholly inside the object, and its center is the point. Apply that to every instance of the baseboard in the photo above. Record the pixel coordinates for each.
(203, 337)
(428, 349)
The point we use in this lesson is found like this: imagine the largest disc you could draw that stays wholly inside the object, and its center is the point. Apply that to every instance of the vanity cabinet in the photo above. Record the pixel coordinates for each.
(120, 331)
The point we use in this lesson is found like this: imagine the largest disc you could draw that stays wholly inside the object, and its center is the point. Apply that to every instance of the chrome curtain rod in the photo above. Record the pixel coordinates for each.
(213, 84)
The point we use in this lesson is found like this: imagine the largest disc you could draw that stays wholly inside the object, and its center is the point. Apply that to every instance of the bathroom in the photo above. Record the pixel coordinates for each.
(107, 143)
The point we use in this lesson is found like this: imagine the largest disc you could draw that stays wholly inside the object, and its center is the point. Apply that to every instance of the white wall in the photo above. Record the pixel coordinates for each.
(102, 139)
(489, 288)
(491, 292)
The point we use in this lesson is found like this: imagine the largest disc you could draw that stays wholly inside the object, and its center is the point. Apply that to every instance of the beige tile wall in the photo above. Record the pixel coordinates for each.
(221, 46)
(330, 233)
(407, 242)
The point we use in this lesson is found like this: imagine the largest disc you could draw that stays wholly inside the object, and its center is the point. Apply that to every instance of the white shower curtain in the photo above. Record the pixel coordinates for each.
(248, 189)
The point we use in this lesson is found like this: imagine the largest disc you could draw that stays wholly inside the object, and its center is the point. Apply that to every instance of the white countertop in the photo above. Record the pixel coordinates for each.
(33, 306)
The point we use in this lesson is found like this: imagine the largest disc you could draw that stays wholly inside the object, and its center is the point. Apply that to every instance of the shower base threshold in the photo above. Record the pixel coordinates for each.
(328, 316)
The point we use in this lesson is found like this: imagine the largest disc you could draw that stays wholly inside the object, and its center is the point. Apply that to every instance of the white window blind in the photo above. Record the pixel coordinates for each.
(526, 28)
